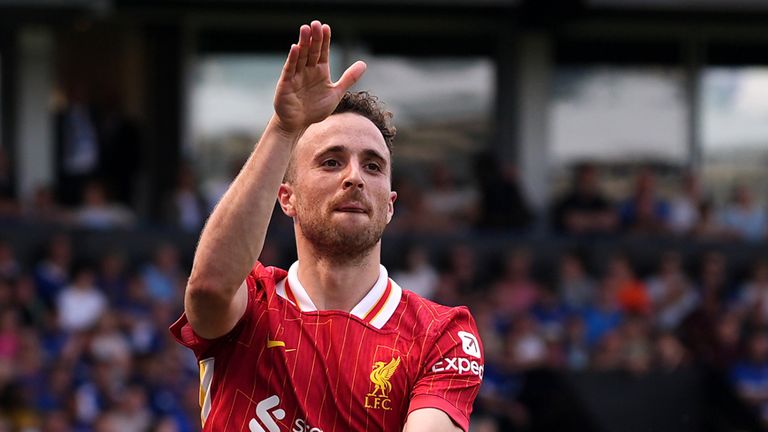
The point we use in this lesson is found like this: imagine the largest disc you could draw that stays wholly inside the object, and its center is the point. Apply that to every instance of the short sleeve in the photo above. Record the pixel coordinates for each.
(452, 369)
(257, 281)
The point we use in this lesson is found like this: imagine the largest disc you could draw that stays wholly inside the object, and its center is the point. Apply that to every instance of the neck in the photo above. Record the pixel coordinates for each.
(336, 284)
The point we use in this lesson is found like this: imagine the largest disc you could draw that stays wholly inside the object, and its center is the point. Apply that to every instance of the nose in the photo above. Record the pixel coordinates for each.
(353, 177)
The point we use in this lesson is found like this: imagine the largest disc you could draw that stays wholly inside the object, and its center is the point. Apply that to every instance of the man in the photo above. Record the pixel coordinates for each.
(333, 344)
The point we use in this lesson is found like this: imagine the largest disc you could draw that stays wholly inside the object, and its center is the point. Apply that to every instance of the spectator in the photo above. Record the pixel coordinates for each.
(743, 216)
(630, 291)
(419, 275)
(162, 275)
(671, 293)
(584, 210)
(112, 279)
(709, 226)
(81, 304)
(515, 292)
(644, 212)
(603, 316)
(636, 346)
(750, 376)
(754, 294)
(9, 266)
(684, 208)
(576, 288)
(43, 208)
(186, 208)
(52, 273)
(670, 354)
(503, 203)
(132, 413)
(98, 212)
(457, 203)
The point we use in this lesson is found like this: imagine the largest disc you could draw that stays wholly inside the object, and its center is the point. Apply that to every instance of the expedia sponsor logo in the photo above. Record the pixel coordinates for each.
(459, 365)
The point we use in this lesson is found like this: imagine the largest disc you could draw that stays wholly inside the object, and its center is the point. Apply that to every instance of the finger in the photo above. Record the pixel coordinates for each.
(351, 76)
(316, 44)
(289, 69)
(304, 38)
(325, 50)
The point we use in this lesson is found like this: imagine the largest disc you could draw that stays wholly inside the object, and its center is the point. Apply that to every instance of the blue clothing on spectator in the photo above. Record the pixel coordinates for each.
(598, 322)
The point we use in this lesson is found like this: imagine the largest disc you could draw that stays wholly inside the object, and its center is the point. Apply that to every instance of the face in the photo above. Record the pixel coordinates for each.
(340, 194)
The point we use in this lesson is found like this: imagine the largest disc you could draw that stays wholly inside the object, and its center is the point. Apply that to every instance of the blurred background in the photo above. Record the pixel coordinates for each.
(588, 176)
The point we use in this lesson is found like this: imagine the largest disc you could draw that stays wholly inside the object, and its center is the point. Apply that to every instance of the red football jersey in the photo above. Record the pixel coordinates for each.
(288, 367)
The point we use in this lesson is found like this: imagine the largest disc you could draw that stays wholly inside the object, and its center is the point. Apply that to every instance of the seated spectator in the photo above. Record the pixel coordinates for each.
(576, 348)
(753, 297)
(52, 273)
(80, 305)
(709, 225)
(637, 348)
(112, 279)
(43, 208)
(503, 204)
(161, 276)
(98, 212)
(576, 287)
(684, 208)
(603, 316)
(515, 292)
(645, 212)
(584, 210)
(750, 376)
(743, 216)
(186, 207)
(550, 314)
(671, 292)
(419, 275)
(630, 291)
(413, 215)
(9, 266)
(670, 354)
(446, 197)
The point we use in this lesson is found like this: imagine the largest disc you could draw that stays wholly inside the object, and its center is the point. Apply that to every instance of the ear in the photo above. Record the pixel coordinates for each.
(391, 205)
(285, 198)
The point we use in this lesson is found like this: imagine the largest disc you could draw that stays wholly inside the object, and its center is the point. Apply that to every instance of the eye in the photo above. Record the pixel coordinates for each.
(331, 163)
(373, 166)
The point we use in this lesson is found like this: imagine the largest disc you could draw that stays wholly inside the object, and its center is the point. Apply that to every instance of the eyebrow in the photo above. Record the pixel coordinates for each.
(368, 153)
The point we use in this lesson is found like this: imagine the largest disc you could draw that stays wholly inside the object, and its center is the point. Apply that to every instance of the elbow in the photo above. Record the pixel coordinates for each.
(202, 290)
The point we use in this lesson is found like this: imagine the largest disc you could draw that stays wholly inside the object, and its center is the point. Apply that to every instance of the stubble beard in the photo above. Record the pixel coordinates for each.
(336, 242)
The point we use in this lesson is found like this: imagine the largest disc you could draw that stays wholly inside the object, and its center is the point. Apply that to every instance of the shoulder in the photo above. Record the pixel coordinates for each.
(263, 278)
(433, 317)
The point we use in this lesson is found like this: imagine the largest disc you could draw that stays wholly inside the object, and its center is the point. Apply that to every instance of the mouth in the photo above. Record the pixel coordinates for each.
(351, 208)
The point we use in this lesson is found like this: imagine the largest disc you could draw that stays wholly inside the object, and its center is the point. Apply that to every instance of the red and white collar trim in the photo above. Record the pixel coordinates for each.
(376, 308)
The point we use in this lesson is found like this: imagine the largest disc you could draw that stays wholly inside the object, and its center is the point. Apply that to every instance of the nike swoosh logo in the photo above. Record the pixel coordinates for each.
(275, 343)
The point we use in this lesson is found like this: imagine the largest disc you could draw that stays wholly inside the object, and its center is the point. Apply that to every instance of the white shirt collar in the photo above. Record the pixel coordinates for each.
(376, 308)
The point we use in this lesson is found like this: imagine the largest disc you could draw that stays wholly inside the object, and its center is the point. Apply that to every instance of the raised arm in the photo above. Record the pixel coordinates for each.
(216, 296)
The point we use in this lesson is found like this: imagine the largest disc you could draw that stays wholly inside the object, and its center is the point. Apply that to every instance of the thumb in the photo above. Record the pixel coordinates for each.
(351, 75)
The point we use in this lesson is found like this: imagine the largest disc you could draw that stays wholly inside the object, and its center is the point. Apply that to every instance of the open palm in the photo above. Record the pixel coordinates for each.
(305, 93)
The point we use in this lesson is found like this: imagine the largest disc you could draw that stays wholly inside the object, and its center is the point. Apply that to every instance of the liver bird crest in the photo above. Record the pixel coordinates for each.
(381, 374)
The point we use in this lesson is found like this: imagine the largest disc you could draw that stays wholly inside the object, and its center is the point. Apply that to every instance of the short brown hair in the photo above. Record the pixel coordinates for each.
(368, 106)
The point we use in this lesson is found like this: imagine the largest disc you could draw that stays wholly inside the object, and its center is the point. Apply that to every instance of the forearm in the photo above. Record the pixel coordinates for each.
(234, 234)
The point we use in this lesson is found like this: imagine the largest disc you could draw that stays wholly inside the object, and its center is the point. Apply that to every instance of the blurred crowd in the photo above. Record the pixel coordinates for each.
(84, 345)
(495, 199)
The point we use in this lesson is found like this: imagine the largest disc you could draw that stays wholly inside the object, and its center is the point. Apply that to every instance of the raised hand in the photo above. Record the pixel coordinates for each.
(305, 93)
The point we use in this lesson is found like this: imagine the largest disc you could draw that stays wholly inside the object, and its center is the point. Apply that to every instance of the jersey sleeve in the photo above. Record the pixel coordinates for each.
(203, 348)
(452, 369)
